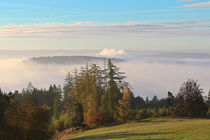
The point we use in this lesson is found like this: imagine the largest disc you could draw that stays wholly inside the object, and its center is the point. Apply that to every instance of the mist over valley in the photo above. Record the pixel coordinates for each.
(148, 72)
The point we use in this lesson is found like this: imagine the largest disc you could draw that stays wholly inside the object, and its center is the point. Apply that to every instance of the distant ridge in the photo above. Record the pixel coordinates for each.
(71, 60)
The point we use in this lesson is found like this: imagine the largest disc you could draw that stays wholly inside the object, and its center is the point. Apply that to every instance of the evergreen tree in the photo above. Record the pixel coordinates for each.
(57, 103)
(77, 116)
(67, 89)
(170, 100)
(113, 92)
(68, 93)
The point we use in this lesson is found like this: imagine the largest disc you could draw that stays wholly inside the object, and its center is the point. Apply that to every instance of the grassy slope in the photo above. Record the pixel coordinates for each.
(151, 129)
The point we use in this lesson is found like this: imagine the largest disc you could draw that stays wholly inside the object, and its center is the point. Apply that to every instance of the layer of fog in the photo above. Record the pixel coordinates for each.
(149, 73)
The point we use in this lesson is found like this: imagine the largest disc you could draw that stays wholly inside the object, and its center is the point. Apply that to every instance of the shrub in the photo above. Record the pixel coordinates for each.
(141, 114)
(59, 125)
(152, 113)
(100, 119)
(63, 122)
(67, 122)
(162, 112)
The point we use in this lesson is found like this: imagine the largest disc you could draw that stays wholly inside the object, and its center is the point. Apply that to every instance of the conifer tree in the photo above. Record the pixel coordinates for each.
(113, 92)
(57, 103)
(68, 92)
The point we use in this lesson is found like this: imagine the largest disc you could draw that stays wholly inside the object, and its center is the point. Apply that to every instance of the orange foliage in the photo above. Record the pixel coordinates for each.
(99, 119)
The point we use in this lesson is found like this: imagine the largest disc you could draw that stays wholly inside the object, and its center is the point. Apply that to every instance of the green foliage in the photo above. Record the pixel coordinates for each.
(170, 100)
(112, 92)
(141, 114)
(57, 104)
(63, 122)
(147, 113)
(4, 102)
(164, 111)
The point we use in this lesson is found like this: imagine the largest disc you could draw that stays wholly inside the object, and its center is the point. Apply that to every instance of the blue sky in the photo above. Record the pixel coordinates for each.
(89, 24)
(118, 11)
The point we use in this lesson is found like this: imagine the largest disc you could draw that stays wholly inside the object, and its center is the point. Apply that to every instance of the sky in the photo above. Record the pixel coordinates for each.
(98, 24)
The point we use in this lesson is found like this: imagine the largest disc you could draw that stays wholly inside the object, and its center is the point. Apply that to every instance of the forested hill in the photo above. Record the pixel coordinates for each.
(70, 60)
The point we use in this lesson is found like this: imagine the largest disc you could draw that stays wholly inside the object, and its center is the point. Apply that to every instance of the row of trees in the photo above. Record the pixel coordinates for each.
(90, 97)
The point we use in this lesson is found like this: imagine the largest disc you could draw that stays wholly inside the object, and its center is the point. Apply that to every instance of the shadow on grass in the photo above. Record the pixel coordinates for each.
(118, 135)
(152, 121)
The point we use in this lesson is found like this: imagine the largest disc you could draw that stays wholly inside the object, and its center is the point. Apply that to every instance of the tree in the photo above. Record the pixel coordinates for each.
(57, 103)
(92, 91)
(138, 103)
(125, 105)
(77, 118)
(112, 93)
(4, 102)
(170, 100)
(67, 90)
(189, 101)
(154, 103)
(27, 122)
(208, 99)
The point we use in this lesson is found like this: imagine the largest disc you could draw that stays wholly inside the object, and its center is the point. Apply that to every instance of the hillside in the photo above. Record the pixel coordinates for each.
(151, 129)
(70, 60)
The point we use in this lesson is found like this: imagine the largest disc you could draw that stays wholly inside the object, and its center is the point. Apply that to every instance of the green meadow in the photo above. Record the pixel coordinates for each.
(165, 128)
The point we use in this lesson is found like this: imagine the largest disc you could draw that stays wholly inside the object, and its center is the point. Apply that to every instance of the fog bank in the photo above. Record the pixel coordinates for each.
(149, 73)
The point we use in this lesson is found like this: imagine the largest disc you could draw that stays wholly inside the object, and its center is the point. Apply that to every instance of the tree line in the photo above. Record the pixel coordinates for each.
(90, 97)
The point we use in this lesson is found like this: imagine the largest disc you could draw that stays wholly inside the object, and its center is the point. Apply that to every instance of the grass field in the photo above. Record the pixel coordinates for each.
(151, 129)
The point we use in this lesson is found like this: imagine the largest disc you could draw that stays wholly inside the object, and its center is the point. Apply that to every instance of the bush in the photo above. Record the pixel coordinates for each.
(163, 112)
(152, 113)
(59, 125)
(62, 123)
(67, 122)
(99, 119)
(141, 114)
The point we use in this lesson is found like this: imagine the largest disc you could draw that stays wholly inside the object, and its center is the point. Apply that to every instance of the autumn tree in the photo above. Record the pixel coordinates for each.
(90, 90)
(26, 122)
(189, 101)
(125, 104)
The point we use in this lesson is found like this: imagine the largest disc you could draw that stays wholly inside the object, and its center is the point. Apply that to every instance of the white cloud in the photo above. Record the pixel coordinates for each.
(203, 4)
(91, 29)
(111, 52)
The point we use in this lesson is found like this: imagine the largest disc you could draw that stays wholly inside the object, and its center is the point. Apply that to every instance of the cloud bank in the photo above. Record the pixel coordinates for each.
(149, 74)
(91, 29)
